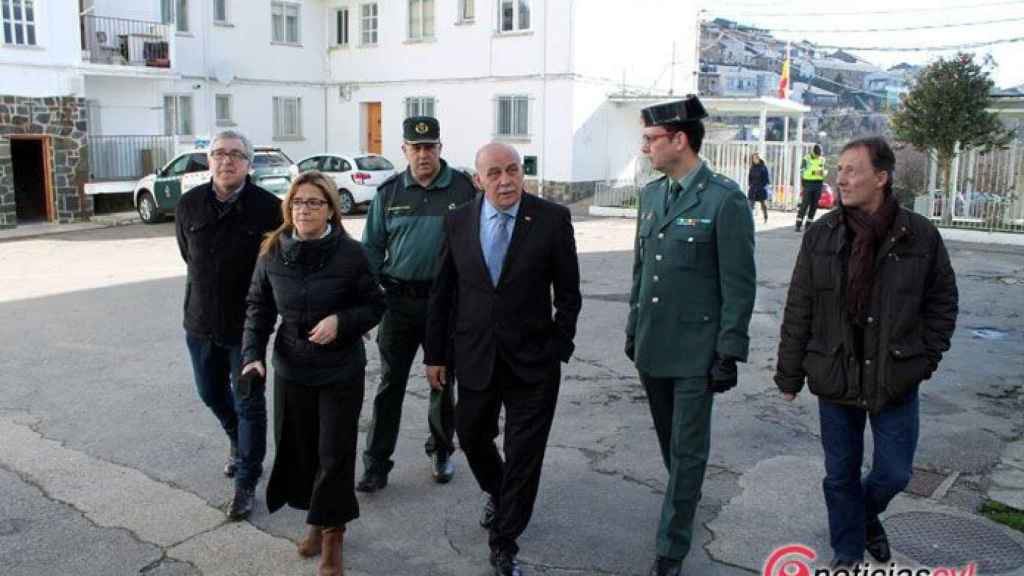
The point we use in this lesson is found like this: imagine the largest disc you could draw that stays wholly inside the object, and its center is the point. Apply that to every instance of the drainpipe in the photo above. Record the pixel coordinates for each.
(544, 99)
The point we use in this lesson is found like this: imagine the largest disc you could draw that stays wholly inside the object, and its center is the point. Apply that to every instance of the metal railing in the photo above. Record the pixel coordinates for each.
(125, 42)
(128, 157)
(729, 158)
(988, 191)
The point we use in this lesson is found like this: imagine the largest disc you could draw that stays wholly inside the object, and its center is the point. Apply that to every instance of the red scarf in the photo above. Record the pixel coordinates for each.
(869, 232)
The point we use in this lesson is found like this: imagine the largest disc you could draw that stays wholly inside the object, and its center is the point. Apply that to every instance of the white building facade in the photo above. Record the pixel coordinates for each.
(146, 78)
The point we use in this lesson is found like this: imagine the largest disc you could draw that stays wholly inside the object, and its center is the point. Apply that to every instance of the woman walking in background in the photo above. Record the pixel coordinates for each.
(318, 280)
(757, 184)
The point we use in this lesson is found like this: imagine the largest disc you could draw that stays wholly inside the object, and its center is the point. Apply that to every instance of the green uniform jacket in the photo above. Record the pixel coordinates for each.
(693, 277)
(405, 223)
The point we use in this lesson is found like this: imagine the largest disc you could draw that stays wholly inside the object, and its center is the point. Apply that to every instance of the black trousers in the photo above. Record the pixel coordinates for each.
(399, 336)
(809, 201)
(316, 429)
(512, 482)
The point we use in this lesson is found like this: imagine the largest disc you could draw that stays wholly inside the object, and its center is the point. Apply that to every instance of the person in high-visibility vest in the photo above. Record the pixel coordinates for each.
(812, 177)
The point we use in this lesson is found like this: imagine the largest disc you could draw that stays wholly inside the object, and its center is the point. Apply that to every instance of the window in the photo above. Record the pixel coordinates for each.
(166, 11)
(178, 167)
(341, 23)
(421, 19)
(223, 109)
(182, 15)
(419, 106)
(178, 115)
(19, 20)
(285, 22)
(220, 11)
(369, 24)
(513, 15)
(467, 10)
(198, 162)
(513, 116)
(310, 164)
(287, 118)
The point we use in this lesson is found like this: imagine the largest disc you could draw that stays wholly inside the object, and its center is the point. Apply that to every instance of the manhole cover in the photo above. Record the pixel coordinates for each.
(924, 482)
(934, 540)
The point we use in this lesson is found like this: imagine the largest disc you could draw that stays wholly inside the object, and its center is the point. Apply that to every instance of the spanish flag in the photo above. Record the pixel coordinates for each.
(784, 81)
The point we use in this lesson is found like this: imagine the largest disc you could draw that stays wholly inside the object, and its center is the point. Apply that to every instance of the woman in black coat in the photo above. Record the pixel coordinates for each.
(757, 184)
(318, 280)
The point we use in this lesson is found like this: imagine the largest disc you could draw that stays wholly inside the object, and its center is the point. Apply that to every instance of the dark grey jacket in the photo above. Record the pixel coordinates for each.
(305, 282)
(911, 317)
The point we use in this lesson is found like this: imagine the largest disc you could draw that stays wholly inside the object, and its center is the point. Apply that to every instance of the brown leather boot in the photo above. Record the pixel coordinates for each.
(309, 546)
(333, 538)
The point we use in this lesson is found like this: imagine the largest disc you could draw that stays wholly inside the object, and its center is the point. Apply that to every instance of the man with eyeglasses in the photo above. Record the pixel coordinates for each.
(402, 239)
(689, 307)
(219, 226)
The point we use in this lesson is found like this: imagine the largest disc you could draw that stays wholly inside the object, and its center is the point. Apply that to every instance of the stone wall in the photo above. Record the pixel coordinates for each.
(64, 120)
(563, 192)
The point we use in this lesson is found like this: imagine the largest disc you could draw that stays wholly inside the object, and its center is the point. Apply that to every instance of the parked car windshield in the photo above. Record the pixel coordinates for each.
(374, 163)
(265, 159)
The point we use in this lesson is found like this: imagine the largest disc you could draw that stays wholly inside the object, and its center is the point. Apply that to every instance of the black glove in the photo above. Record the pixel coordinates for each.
(630, 349)
(723, 374)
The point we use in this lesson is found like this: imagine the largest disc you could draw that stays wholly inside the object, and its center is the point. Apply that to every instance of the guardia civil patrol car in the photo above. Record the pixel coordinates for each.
(157, 195)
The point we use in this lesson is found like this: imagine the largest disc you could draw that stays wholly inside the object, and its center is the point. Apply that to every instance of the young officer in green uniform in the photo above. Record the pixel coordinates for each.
(402, 239)
(689, 307)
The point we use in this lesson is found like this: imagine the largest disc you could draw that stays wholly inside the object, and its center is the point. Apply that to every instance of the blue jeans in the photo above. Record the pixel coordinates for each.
(853, 502)
(242, 413)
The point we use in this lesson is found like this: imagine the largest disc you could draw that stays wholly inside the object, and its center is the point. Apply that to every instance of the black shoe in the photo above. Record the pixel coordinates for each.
(242, 504)
(876, 542)
(487, 518)
(231, 466)
(443, 468)
(666, 566)
(799, 225)
(372, 481)
(505, 564)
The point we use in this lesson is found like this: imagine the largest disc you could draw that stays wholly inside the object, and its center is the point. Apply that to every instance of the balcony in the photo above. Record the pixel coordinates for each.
(127, 43)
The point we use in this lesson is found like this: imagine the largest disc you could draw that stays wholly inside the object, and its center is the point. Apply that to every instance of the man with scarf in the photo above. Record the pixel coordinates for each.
(871, 308)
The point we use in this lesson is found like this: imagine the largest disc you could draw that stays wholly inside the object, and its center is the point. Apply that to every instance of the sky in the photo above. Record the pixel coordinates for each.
(842, 23)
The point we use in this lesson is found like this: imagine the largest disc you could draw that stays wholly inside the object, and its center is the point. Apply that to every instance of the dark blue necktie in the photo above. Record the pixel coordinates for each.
(497, 246)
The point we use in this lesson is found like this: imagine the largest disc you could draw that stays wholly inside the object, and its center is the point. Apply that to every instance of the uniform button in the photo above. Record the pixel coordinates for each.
(657, 257)
(867, 362)
(656, 278)
(661, 234)
(896, 352)
(706, 318)
(690, 239)
(871, 320)
(655, 299)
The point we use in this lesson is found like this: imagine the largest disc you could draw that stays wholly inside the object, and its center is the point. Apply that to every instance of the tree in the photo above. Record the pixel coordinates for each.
(947, 108)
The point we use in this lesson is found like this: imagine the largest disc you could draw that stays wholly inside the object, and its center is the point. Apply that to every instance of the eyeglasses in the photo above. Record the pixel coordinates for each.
(648, 140)
(312, 204)
(221, 155)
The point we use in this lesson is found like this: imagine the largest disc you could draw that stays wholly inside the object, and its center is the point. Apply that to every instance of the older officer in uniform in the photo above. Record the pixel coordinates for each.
(402, 239)
(690, 306)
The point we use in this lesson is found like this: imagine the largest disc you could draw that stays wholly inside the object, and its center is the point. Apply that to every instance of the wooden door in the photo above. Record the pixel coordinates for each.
(31, 158)
(373, 128)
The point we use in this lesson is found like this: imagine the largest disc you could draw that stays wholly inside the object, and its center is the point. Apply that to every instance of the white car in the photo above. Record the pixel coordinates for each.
(356, 177)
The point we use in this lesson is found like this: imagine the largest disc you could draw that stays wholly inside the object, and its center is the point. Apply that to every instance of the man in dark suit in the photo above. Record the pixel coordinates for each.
(502, 258)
